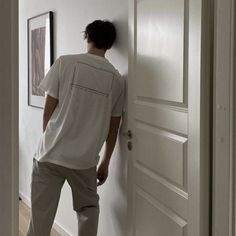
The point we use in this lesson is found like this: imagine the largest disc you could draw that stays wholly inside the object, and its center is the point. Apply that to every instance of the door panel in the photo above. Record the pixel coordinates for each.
(155, 148)
(160, 49)
(162, 190)
(153, 217)
(169, 117)
(165, 169)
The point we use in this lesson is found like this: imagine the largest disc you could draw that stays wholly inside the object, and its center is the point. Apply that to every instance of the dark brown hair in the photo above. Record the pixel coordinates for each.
(101, 33)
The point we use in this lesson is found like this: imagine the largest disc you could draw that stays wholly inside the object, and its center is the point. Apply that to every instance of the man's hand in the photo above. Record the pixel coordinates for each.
(102, 172)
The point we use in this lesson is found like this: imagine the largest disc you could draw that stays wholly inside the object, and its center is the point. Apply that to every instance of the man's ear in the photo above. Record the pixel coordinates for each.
(88, 39)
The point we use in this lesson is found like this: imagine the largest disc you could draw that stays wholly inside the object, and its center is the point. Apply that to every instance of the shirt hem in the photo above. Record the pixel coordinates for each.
(61, 163)
(116, 115)
(51, 94)
(47, 91)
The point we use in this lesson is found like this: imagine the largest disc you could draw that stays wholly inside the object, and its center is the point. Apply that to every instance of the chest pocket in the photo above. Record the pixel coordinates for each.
(92, 79)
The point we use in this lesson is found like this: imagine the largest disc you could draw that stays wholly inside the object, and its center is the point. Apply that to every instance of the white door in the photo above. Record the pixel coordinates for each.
(168, 118)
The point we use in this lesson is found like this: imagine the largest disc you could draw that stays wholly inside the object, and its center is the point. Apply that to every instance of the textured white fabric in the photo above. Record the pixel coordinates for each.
(90, 90)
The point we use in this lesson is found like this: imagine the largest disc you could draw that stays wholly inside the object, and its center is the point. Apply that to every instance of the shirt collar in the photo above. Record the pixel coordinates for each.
(96, 56)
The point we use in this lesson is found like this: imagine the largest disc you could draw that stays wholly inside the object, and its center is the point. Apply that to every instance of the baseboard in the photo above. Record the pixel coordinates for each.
(61, 230)
(25, 199)
(56, 226)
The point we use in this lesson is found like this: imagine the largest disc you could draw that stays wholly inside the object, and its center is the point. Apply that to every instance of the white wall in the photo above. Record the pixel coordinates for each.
(70, 18)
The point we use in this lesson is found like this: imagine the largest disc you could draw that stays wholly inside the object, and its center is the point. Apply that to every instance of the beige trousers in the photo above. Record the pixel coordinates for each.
(47, 181)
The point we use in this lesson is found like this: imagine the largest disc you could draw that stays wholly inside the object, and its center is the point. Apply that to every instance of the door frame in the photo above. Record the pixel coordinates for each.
(15, 116)
(220, 124)
(10, 129)
(224, 105)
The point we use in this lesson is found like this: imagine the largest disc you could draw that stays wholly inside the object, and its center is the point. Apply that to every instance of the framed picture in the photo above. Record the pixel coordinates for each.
(40, 55)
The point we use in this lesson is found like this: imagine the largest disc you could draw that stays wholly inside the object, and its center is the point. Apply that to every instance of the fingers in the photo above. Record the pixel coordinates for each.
(100, 183)
(102, 174)
(102, 180)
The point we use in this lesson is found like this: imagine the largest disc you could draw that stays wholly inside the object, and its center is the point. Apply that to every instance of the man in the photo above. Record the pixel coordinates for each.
(83, 109)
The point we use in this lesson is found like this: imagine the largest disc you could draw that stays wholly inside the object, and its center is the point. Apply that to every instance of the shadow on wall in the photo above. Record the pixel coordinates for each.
(120, 211)
(113, 218)
(121, 44)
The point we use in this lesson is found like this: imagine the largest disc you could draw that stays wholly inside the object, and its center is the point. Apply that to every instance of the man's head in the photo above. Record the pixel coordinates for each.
(102, 34)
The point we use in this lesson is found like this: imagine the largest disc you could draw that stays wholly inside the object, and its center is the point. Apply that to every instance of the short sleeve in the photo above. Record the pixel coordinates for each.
(118, 107)
(50, 83)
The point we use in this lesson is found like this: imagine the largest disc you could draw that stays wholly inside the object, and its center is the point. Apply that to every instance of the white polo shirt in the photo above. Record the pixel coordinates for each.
(90, 91)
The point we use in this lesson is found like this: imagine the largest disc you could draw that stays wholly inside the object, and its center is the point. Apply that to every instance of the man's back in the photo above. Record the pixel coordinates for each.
(90, 91)
(83, 109)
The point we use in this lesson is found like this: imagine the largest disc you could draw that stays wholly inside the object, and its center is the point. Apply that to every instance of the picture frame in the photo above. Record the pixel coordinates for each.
(40, 55)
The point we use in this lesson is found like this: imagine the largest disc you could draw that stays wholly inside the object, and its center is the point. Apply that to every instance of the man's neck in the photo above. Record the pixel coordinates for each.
(96, 51)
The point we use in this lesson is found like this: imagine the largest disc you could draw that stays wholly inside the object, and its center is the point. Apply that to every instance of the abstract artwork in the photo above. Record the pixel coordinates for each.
(40, 55)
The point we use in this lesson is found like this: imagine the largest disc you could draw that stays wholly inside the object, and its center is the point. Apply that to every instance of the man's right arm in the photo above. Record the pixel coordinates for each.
(102, 172)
